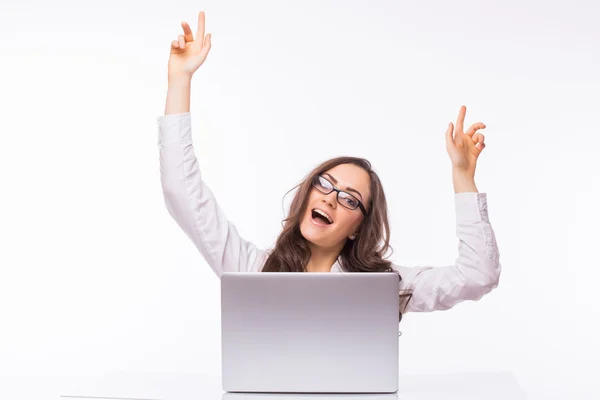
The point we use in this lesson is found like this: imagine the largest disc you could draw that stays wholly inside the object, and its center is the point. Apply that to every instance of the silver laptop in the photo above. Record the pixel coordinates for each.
(298, 332)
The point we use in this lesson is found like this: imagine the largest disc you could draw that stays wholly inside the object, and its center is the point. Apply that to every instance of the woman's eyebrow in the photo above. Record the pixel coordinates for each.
(348, 188)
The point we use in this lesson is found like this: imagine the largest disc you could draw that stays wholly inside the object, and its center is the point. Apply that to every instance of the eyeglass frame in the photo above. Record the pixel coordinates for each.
(337, 196)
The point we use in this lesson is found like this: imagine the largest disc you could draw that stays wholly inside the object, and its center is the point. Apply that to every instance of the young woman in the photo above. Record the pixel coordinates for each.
(337, 220)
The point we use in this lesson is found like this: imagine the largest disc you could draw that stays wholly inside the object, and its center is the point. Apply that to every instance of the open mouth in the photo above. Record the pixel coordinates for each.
(320, 217)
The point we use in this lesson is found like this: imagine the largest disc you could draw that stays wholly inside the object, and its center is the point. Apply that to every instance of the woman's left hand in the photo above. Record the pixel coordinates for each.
(464, 148)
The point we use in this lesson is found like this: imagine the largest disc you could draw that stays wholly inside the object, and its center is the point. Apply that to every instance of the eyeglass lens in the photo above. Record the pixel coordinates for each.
(344, 198)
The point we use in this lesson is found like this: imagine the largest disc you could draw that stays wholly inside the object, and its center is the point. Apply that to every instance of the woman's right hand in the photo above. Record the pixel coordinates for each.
(187, 54)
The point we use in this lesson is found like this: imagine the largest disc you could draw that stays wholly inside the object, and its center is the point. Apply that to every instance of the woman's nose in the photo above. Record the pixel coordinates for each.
(331, 199)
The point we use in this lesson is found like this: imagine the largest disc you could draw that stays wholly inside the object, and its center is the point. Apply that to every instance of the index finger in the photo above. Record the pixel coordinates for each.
(461, 119)
(200, 33)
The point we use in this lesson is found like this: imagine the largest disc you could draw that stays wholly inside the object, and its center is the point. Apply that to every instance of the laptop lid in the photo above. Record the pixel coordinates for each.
(309, 332)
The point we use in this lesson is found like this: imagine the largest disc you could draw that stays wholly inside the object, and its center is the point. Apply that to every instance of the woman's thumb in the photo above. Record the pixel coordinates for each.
(449, 137)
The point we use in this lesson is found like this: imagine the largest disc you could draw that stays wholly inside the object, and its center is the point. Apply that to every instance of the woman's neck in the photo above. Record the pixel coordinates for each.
(321, 260)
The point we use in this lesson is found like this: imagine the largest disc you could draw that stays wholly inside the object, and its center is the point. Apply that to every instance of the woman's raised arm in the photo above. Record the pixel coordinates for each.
(188, 199)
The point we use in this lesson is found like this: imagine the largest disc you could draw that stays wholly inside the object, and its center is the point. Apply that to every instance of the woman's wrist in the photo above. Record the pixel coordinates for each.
(463, 181)
(178, 95)
(179, 79)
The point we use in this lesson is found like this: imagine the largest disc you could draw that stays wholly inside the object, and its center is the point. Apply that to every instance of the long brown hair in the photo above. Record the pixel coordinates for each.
(363, 254)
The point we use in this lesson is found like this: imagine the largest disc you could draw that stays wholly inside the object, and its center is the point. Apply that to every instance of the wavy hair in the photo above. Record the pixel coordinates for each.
(363, 254)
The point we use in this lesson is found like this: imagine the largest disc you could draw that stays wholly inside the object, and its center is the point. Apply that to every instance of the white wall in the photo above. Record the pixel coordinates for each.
(95, 276)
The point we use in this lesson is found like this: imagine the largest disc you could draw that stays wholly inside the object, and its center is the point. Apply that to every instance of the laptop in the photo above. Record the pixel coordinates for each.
(303, 332)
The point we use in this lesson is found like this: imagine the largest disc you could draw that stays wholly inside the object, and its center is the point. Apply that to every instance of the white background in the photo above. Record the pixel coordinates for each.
(95, 275)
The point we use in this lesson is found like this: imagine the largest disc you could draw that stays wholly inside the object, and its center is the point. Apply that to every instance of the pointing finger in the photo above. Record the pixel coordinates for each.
(461, 119)
(200, 33)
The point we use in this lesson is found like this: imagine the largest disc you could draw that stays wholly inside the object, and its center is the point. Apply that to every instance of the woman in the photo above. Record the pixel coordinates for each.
(338, 219)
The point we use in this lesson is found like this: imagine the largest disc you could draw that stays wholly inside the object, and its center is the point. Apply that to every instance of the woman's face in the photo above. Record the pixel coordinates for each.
(351, 179)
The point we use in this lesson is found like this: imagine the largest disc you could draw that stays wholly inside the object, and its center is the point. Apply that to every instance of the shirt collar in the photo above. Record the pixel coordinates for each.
(336, 267)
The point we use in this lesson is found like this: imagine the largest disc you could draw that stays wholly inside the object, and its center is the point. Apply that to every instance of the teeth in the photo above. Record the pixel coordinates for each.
(324, 214)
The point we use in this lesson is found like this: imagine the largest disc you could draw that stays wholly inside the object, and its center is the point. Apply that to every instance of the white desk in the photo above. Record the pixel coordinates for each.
(195, 387)
(170, 386)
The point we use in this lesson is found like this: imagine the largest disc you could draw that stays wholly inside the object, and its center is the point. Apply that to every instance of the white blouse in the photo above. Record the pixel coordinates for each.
(193, 206)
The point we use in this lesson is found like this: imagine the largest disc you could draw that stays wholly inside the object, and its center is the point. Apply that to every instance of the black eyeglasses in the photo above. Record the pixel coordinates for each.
(344, 198)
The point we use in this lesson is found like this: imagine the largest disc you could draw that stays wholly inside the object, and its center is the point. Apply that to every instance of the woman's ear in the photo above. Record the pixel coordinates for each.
(353, 236)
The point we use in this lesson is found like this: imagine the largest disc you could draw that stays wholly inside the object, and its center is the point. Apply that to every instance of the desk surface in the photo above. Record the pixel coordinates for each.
(172, 386)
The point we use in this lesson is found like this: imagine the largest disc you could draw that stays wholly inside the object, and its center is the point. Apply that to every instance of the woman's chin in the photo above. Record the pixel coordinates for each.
(315, 234)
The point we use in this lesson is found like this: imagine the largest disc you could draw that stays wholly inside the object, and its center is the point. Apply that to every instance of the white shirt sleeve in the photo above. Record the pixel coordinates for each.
(475, 272)
(192, 204)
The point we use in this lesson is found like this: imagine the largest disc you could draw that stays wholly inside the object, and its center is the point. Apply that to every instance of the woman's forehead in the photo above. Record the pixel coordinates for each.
(349, 175)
